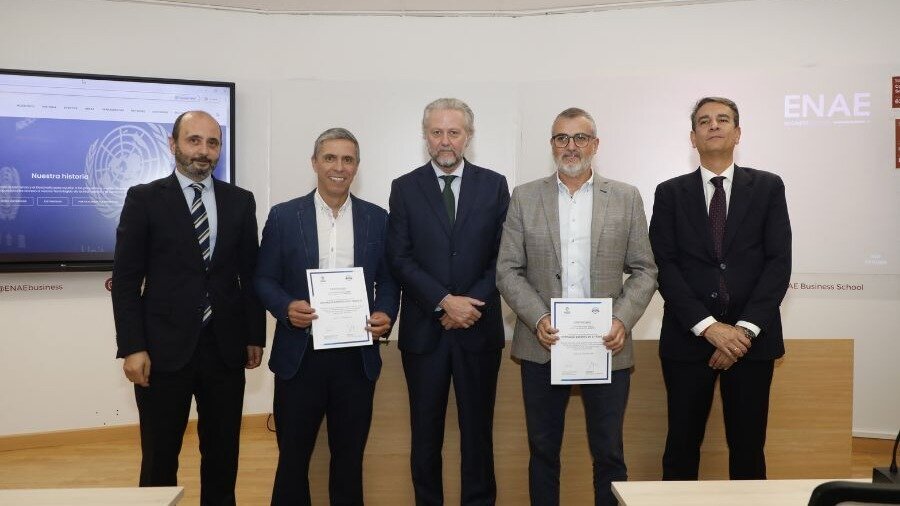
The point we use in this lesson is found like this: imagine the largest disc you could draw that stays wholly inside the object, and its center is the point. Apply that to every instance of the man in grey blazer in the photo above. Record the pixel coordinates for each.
(570, 235)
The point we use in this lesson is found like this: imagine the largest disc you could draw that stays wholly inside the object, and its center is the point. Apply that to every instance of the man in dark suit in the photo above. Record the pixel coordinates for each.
(722, 241)
(327, 228)
(444, 232)
(187, 319)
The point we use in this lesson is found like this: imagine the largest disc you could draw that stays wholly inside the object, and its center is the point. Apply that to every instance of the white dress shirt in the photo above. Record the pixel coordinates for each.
(208, 196)
(706, 176)
(335, 234)
(575, 215)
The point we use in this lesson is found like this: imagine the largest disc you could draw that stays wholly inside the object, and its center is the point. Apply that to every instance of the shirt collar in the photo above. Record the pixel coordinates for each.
(458, 172)
(186, 182)
(584, 186)
(707, 174)
(325, 208)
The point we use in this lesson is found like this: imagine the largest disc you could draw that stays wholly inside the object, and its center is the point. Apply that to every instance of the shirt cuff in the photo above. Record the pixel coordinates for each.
(703, 325)
(747, 325)
(539, 320)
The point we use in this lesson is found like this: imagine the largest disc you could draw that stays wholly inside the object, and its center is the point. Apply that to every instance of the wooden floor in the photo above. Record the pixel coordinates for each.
(809, 437)
(116, 464)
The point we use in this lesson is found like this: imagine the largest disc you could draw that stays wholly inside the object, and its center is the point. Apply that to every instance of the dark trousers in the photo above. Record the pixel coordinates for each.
(475, 385)
(745, 405)
(164, 406)
(545, 417)
(330, 384)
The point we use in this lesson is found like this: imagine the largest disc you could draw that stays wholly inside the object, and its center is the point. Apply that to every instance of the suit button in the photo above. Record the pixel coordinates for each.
(453, 254)
(722, 266)
(714, 295)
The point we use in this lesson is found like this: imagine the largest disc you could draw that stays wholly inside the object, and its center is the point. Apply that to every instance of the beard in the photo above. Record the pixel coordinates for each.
(191, 166)
(445, 158)
(572, 169)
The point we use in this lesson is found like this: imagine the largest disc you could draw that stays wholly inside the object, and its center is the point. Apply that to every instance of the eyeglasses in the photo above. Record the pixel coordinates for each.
(562, 140)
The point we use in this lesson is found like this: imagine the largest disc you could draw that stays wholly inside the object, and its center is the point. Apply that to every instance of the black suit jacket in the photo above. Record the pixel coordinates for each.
(159, 280)
(757, 261)
(430, 259)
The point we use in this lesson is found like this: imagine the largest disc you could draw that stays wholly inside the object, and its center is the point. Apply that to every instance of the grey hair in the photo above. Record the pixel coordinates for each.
(715, 100)
(453, 104)
(575, 112)
(335, 134)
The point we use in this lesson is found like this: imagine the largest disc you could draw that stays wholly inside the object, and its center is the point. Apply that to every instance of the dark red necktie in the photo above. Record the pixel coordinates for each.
(717, 215)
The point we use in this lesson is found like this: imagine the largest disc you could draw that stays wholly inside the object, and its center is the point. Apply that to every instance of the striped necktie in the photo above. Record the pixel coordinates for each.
(201, 227)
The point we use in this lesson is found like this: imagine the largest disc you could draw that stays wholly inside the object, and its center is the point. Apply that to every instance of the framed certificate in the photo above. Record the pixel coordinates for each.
(340, 300)
(580, 357)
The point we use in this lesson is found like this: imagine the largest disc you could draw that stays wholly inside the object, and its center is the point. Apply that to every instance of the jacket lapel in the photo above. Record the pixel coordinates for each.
(694, 202)
(428, 185)
(598, 214)
(309, 236)
(223, 219)
(360, 233)
(181, 218)
(550, 204)
(738, 204)
(468, 193)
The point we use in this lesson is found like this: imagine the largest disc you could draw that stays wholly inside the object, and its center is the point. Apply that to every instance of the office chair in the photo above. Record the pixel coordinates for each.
(832, 493)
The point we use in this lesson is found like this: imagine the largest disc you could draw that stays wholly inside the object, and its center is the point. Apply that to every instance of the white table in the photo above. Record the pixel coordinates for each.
(132, 496)
(718, 493)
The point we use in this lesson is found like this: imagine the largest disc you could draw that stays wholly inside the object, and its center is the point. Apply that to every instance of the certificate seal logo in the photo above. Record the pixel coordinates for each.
(126, 156)
(10, 193)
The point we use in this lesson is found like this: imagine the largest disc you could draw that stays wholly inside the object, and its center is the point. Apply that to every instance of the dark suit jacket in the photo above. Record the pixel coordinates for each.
(159, 280)
(290, 245)
(757, 261)
(430, 260)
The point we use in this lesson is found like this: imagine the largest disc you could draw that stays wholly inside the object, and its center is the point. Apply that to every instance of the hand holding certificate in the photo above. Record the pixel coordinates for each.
(580, 355)
(342, 305)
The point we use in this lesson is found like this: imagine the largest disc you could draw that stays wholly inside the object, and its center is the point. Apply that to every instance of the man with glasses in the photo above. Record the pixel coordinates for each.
(722, 237)
(443, 235)
(572, 235)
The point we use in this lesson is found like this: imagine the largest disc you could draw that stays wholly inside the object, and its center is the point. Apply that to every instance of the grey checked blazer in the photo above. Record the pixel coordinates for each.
(528, 265)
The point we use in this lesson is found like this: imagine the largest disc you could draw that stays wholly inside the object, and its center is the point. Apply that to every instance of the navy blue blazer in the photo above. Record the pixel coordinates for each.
(756, 263)
(431, 260)
(290, 245)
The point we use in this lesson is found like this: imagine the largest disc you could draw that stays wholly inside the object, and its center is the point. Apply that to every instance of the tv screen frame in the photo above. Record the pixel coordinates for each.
(116, 88)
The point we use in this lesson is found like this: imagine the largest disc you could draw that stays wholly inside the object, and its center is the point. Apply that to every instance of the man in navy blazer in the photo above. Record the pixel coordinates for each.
(722, 240)
(327, 228)
(443, 237)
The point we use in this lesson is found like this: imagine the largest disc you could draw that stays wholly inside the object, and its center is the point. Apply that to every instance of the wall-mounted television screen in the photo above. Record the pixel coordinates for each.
(70, 147)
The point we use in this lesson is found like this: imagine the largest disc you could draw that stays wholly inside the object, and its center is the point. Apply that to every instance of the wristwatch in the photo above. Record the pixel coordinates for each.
(747, 332)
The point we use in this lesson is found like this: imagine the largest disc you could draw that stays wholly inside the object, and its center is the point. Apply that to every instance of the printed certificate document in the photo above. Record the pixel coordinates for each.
(579, 357)
(339, 298)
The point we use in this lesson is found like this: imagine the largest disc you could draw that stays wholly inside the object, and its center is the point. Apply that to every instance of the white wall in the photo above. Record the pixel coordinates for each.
(297, 75)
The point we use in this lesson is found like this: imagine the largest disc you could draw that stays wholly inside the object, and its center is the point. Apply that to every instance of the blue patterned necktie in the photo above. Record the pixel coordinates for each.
(201, 227)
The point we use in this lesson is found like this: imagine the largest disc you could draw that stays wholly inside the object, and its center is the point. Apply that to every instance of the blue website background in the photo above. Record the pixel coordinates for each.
(63, 182)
